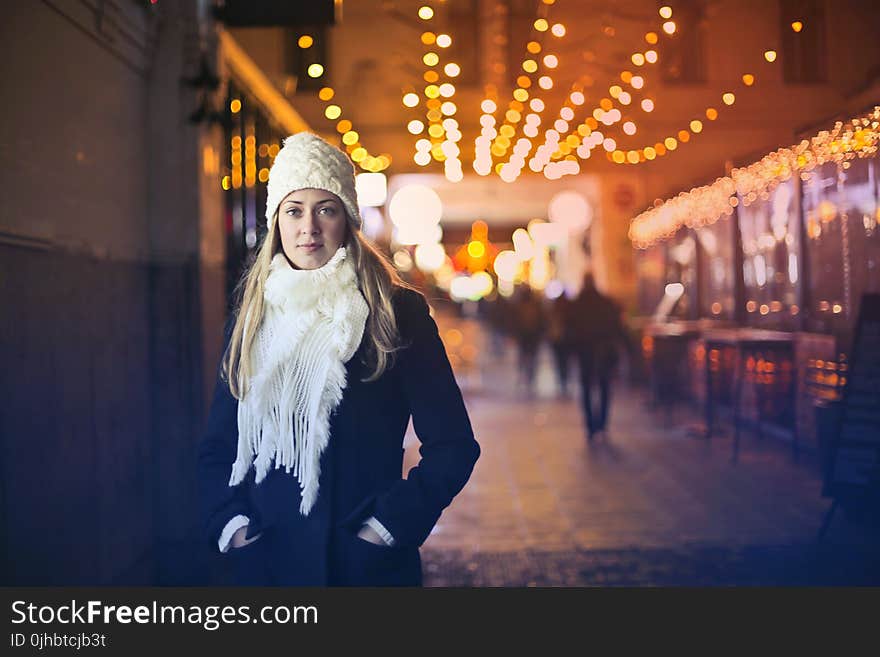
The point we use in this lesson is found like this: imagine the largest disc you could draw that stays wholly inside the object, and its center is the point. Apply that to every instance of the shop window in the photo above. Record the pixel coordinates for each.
(841, 206)
(861, 207)
(681, 267)
(651, 271)
(825, 250)
(716, 275)
(771, 265)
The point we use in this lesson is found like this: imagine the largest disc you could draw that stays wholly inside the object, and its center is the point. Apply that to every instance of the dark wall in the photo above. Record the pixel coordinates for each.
(102, 410)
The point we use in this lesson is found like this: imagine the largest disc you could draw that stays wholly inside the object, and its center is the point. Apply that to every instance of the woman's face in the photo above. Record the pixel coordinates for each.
(312, 226)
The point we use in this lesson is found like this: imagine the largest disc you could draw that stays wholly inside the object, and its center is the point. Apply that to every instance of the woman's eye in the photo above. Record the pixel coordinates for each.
(328, 210)
(293, 212)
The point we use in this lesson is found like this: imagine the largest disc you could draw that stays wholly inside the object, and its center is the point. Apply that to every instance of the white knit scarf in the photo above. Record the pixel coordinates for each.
(313, 322)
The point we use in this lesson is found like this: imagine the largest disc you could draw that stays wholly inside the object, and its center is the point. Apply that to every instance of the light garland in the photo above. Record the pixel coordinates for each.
(333, 112)
(585, 137)
(443, 134)
(702, 206)
(583, 140)
(350, 137)
(537, 58)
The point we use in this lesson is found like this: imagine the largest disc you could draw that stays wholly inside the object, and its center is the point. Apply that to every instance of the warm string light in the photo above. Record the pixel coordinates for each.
(443, 132)
(555, 145)
(245, 169)
(539, 59)
(651, 152)
(483, 143)
(609, 115)
(671, 143)
(584, 138)
(704, 205)
(351, 138)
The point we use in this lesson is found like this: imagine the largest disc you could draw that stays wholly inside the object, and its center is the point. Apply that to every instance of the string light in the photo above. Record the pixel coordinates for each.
(704, 205)
(524, 92)
(770, 55)
(580, 138)
(351, 138)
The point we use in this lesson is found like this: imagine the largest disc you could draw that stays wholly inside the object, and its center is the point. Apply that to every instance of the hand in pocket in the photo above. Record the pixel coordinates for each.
(239, 540)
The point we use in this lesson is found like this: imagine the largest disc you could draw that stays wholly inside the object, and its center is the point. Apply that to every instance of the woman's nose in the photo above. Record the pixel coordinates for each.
(309, 224)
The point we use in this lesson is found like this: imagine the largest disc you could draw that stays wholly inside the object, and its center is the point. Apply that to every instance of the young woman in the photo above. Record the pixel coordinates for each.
(327, 357)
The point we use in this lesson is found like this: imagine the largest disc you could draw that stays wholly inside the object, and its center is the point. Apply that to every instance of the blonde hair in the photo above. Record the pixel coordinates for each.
(377, 280)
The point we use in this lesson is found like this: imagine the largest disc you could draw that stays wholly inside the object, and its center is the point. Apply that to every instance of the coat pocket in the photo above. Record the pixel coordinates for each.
(249, 563)
(370, 564)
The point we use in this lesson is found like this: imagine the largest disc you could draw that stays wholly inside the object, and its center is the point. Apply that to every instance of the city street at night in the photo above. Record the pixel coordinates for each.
(651, 504)
(381, 294)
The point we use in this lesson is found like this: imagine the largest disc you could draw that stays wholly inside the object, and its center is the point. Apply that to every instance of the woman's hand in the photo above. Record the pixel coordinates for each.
(370, 535)
(239, 540)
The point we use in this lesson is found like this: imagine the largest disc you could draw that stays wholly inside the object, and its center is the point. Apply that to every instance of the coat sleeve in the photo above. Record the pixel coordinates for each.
(412, 506)
(218, 501)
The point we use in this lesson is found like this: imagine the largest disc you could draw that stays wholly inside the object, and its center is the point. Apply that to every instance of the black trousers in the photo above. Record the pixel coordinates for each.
(595, 368)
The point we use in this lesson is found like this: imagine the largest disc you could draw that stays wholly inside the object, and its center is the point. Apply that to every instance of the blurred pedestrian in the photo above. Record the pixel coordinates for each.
(327, 356)
(497, 322)
(528, 325)
(597, 331)
(559, 338)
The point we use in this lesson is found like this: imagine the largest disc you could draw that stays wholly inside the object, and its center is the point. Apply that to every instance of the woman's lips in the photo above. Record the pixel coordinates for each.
(309, 248)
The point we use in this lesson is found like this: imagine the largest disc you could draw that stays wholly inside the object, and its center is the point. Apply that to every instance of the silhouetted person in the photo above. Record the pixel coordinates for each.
(596, 329)
(558, 335)
(528, 326)
(499, 323)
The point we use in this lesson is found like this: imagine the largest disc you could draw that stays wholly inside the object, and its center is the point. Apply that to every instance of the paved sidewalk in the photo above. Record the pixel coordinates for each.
(648, 505)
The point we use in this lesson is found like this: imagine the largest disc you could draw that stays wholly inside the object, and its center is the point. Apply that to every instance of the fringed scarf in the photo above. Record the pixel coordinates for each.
(313, 322)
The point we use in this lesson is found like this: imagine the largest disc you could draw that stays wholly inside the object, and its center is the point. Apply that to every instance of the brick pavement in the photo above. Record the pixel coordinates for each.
(648, 505)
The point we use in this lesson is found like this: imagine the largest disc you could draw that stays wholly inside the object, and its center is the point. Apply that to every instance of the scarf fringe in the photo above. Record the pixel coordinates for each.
(313, 324)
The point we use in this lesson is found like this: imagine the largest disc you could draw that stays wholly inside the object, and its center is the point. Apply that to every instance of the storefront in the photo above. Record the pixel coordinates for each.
(770, 264)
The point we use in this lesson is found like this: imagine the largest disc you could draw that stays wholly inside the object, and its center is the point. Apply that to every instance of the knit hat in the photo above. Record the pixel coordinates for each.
(307, 161)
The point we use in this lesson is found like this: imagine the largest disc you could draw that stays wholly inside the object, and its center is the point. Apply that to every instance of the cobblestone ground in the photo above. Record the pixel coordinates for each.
(649, 504)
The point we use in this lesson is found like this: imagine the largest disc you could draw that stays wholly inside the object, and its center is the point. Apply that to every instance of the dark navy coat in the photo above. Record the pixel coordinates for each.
(361, 472)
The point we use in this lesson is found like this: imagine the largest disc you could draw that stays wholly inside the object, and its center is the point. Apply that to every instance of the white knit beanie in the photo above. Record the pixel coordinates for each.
(307, 161)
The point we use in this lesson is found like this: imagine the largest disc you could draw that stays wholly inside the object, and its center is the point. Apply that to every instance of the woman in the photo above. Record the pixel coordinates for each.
(327, 356)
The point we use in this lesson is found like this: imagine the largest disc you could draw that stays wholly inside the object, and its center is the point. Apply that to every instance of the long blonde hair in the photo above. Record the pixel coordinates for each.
(377, 280)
